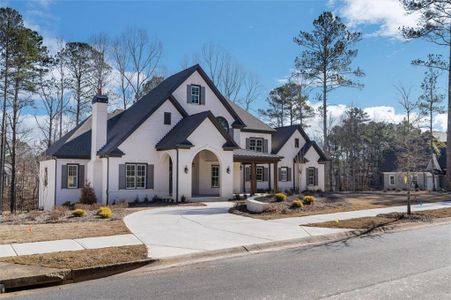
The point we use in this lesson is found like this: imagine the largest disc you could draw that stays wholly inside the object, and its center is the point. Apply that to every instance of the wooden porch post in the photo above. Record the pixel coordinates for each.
(276, 178)
(269, 177)
(253, 178)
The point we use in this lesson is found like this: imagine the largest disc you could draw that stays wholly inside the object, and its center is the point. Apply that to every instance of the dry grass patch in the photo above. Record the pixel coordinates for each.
(48, 232)
(82, 258)
(386, 219)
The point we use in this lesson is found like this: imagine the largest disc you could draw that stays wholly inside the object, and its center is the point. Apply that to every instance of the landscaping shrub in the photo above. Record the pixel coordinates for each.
(309, 200)
(280, 197)
(79, 212)
(105, 212)
(88, 195)
(67, 204)
(297, 203)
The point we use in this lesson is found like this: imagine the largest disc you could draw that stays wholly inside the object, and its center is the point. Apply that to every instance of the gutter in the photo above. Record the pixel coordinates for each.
(56, 170)
(107, 179)
(177, 184)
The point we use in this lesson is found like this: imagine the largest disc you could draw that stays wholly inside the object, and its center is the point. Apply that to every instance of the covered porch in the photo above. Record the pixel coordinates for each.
(252, 159)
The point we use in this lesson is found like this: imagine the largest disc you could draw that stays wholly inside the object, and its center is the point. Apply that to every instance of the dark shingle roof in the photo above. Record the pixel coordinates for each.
(282, 134)
(308, 145)
(252, 123)
(129, 120)
(177, 137)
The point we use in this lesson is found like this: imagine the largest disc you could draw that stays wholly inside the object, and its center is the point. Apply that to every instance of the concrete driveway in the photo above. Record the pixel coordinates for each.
(190, 229)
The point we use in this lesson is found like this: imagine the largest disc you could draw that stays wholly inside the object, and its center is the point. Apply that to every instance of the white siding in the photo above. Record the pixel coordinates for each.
(47, 192)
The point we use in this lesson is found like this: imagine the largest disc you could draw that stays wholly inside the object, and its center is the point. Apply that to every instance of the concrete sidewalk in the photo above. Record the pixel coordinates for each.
(18, 249)
(359, 213)
(174, 231)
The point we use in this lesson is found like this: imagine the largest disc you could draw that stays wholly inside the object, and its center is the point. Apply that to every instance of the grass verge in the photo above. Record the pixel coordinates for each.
(82, 258)
(386, 219)
(60, 231)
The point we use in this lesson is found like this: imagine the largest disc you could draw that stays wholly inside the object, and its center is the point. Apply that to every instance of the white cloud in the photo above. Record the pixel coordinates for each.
(441, 122)
(387, 15)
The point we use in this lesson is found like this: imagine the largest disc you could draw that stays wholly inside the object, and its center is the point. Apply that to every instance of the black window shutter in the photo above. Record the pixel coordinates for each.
(247, 144)
(188, 93)
(81, 176)
(288, 174)
(265, 174)
(202, 95)
(306, 176)
(150, 177)
(316, 176)
(280, 174)
(64, 176)
(122, 176)
(265, 146)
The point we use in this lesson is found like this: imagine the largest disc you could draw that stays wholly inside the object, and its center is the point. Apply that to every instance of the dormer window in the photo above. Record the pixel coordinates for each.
(195, 94)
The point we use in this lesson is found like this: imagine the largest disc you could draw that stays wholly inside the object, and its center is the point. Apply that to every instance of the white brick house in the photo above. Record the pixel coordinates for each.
(182, 139)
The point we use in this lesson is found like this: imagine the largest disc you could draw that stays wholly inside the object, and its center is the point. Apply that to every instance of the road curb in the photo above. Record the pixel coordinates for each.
(66, 276)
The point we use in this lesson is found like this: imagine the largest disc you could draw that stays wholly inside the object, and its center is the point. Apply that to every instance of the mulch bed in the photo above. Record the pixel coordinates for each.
(82, 258)
(386, 219)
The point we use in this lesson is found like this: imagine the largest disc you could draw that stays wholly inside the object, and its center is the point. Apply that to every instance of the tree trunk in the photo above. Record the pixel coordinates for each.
(448, 135)
(12, 193)
(3, 129)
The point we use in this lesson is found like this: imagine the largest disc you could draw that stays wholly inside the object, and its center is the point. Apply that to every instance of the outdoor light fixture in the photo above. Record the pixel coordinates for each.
(186, 169)
(228, 170)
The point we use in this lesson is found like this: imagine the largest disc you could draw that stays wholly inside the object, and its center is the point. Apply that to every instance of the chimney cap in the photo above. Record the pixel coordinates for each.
(100, 99)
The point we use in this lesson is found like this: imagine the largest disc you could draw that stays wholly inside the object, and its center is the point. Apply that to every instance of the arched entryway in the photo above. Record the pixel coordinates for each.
(206, 175)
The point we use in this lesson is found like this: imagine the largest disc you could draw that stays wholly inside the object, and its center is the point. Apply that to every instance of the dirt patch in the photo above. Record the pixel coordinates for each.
(71, 230)
(327, 203)
(82, 258)
(386, 219)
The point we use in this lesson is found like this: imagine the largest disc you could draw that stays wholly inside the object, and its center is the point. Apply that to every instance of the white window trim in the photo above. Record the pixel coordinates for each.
(135, 176)
(215, 176)
(284, 174)
(76, 176)
(262, 173)
(193, 87)
(311, 176)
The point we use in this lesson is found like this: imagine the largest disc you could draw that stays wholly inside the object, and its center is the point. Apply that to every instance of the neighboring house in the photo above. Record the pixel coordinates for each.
(422, 178)
(181, 140)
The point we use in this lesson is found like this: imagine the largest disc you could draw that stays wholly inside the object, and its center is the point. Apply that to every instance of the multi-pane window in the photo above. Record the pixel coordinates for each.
(392, 179)
(296, 143)
(215, 176)
(311, 176)
(256, 144)
(167, 118)
(72, 176)
(284, 174)
(259, 173)
(415, 179)
(135, 176)
(195, 94)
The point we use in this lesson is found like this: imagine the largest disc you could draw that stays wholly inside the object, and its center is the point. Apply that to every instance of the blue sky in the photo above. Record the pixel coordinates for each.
(258, 34)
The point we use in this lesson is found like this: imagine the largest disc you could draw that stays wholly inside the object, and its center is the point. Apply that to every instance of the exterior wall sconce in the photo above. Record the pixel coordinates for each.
(186, 170)
(228, 170)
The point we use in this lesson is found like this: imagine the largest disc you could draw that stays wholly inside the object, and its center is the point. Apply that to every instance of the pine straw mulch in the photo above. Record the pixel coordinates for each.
(82, 258)
(381, 220)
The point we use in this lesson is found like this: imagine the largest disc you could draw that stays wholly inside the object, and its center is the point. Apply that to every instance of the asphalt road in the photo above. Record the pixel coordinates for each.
(414, 264)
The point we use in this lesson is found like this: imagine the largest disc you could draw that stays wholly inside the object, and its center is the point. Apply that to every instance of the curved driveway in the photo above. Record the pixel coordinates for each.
(182, 230)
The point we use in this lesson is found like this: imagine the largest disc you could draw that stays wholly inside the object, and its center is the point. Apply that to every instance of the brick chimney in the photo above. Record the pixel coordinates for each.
(99, 122)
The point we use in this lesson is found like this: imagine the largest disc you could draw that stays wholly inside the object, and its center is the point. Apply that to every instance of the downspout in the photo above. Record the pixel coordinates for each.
(56, 169)
(177, 183)
(107, 180)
